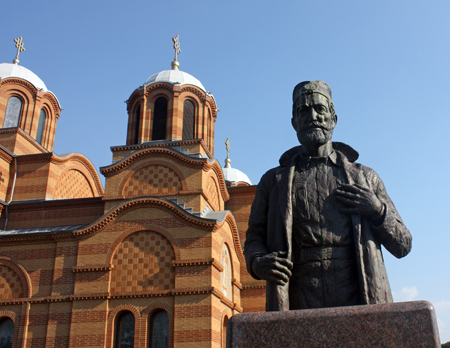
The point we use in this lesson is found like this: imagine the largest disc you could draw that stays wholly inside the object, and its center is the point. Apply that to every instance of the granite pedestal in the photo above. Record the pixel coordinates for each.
(404, 324)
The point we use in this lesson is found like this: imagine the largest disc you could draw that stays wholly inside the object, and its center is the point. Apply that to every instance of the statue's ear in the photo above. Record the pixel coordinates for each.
(335, 119)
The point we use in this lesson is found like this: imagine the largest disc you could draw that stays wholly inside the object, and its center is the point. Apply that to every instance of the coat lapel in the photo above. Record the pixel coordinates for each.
(284, 178)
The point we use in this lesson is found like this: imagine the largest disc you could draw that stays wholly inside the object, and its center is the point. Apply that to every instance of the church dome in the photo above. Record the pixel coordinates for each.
(235, 176)
(174, 77)
(14, 70)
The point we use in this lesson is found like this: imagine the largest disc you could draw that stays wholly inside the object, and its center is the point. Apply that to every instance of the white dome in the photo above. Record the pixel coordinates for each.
(173, 77)
(15, 70)
(235, 175)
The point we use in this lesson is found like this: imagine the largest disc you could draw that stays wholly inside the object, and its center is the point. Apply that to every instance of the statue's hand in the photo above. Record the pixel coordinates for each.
(273, 267)
(359, 200)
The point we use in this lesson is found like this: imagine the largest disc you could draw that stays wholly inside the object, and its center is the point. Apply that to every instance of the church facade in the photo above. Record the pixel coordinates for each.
(152, 259)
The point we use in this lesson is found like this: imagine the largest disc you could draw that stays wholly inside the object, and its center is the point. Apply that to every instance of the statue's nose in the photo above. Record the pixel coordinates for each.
(312, 114)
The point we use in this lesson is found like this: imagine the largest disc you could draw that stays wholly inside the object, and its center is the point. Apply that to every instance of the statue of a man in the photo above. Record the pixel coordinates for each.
(319, 219)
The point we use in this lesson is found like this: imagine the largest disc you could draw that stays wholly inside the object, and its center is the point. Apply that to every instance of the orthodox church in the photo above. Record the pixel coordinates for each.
(152, 259)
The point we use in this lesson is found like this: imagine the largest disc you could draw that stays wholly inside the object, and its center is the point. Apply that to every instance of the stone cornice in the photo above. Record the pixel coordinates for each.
(242, 190)
(6, 155)
(92, 268)
(55, 204)
(253, 286)
(119, 210)
(141, 202)
(108, 296)
(165, 144)
(126, 162)
(236, 283)
(199, 262)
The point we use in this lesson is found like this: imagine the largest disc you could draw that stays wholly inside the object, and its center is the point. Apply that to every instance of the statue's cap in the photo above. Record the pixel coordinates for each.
(309, 87)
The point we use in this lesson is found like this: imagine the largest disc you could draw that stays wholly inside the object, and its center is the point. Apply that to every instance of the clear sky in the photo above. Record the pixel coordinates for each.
(387, 63)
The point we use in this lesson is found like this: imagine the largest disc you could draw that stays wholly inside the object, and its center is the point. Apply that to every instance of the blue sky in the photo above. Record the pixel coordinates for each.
(387, 63)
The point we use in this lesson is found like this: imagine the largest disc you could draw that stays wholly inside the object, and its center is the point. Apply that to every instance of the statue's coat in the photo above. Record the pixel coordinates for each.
(270, 227)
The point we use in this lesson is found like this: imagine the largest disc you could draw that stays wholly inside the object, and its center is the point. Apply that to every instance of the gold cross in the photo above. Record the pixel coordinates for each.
(20, 48)
(176, 46)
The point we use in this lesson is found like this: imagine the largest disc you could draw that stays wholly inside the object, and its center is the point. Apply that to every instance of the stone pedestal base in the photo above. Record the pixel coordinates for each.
(404, 324)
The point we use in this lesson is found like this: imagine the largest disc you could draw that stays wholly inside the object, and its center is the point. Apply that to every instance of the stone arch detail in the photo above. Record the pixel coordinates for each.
(73, 183)
(169, 179)
(112, 318)
(143, 227)
(143, 262)
(126, 307)
(147, 313)
(212, 192)
(20, 272)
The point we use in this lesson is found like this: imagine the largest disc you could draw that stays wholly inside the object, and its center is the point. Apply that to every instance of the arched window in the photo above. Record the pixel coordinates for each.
(224, 331)
(12, 114)
(137, 123)
(209, 122)
(188, 120)
(41, 128)
(6, 332)
(159, 119)
(124, 335)
(159, 330)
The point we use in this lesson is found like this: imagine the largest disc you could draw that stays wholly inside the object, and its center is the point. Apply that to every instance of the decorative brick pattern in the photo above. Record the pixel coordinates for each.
(143, 261)
(73, 184)
(152, 180)
(10, 284)
(212, 193)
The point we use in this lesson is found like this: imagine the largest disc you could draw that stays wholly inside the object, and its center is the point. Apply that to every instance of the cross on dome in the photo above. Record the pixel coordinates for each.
(176, 46)
(20, 48)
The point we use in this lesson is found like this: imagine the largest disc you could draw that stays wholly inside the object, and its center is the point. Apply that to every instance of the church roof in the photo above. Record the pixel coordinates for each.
(18, 71)
(174, 77)
(234, 175)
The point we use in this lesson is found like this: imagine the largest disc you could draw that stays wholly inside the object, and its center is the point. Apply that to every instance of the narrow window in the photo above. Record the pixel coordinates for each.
(159, 119)
(159, 330)
(209, 140)
(6, 332)
(188, 120)
(12, 114)
(137, 123)
(41, 127)
(224, 332)
(125, 331)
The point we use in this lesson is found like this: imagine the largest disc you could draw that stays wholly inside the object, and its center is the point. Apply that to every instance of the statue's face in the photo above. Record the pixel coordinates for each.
(313, 120)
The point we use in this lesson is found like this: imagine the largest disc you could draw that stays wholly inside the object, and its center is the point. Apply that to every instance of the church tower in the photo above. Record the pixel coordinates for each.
(172, 105)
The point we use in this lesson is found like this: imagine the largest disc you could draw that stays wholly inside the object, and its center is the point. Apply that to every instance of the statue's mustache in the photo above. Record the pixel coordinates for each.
(315, 125)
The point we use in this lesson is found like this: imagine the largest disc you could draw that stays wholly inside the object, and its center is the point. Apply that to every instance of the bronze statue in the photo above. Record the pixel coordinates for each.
(319, 219)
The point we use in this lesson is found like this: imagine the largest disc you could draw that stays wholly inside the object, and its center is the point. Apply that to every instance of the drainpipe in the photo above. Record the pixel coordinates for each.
(12, 192)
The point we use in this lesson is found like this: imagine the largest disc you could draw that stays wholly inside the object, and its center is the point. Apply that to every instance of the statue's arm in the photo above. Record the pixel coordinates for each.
(256, 238)
(390, 230)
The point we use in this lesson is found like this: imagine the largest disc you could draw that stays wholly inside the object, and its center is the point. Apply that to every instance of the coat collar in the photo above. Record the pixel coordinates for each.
(351, 154)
